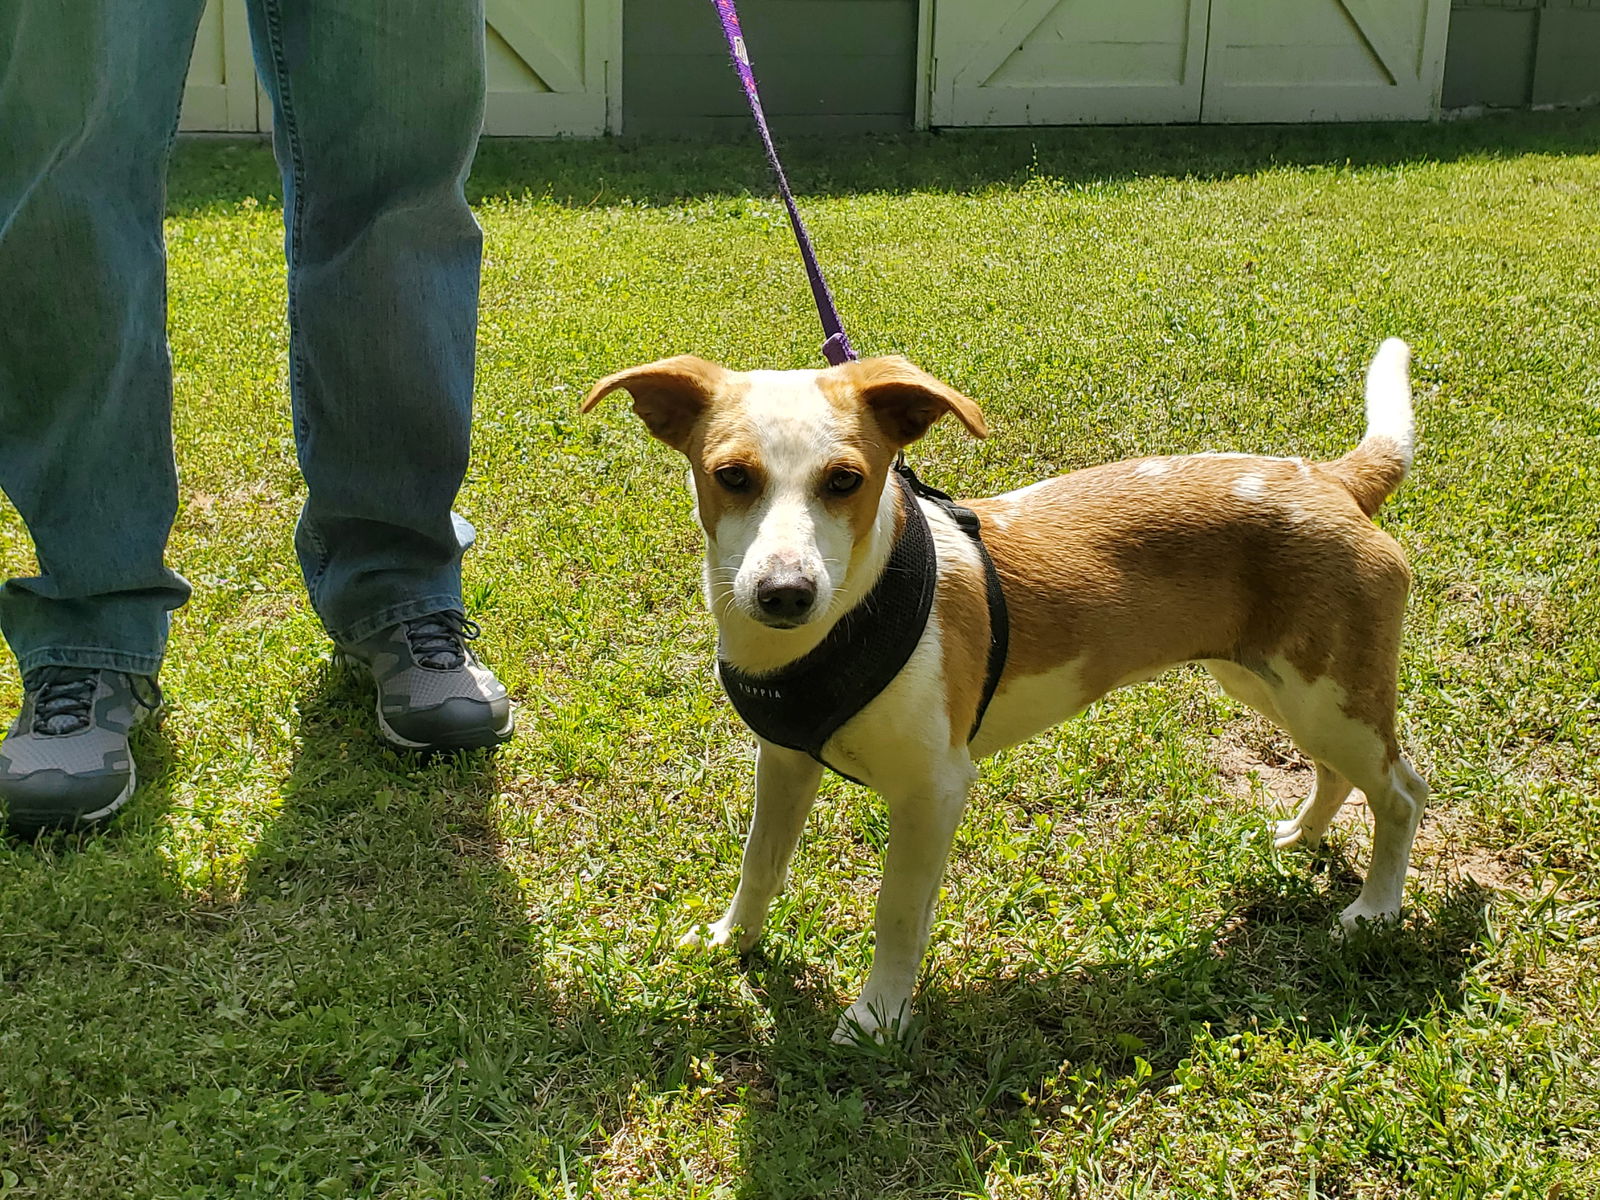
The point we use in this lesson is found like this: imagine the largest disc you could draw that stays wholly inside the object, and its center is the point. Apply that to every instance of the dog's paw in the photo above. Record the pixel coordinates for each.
(1359, 917)
(721, 933)
(1291, 833)
(865, 1024)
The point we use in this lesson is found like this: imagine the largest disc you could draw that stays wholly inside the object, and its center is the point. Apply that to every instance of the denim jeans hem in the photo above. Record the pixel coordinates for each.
(360, 630)
(90, 658)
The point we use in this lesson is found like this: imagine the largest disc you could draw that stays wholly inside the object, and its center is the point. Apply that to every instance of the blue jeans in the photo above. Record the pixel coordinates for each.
(377, 106)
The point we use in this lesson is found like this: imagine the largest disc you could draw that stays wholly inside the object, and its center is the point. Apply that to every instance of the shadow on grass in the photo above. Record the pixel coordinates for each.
(425, 997)
(419, 1019)
(376, 1013)
(589, 174)
(924, 1119)
(1275, 964)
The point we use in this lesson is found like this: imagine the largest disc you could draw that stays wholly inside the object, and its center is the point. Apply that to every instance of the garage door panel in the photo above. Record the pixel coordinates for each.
(1107, 58)
(1324, 60)
(551, 69)
(1342, 65)
(1067, 62)
(547, 63)
(1011, 62)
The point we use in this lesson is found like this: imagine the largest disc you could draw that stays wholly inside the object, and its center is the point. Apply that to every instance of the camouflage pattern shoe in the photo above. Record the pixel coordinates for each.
(433, 693)
(66, 764)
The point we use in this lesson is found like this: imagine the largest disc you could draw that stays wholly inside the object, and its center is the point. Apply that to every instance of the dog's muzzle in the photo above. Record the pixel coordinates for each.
(785, 599)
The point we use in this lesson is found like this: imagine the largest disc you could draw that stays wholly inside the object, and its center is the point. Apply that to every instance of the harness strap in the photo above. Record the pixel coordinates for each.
(999, 615)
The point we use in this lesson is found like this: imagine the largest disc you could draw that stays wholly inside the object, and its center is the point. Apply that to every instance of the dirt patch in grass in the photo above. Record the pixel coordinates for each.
(1446, 848)
(1251, 753)
(1255, 757)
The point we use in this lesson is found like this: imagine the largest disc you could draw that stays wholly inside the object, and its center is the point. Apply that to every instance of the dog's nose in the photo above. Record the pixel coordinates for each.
(786, 597)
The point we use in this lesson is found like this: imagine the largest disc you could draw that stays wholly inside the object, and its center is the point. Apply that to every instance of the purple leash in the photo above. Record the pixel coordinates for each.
(837, 348)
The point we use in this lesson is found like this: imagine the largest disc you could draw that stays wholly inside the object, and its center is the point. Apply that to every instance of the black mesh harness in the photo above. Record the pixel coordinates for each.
(802, 705)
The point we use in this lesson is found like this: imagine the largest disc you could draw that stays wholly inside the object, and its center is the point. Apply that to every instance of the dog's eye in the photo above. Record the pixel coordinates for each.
(842, 482)
(735, 479)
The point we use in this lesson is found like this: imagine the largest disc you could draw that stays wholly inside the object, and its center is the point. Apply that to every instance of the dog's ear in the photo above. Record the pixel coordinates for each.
(669, 396)
(906, 400)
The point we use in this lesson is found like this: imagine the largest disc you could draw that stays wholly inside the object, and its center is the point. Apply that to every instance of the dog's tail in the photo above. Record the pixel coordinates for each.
(1373, 470)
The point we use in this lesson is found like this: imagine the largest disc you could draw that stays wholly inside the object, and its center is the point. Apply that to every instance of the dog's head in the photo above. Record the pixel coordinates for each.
(787, 467)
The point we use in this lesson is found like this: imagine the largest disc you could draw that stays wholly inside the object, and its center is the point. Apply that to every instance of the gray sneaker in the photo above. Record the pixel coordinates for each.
(66, 764)
(433, 693)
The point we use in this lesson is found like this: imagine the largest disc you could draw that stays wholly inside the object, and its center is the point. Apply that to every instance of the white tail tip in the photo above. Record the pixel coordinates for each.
(1389, 396)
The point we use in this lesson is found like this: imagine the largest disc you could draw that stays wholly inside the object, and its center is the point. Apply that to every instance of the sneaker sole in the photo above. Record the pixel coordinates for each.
(78, 822)
(100, 814)
(475, 742)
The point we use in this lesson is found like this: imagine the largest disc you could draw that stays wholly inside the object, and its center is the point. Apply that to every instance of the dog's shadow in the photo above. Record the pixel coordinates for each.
(1274, 962)
(1273, 969)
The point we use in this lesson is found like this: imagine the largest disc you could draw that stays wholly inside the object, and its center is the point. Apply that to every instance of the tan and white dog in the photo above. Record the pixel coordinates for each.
(1269, 571)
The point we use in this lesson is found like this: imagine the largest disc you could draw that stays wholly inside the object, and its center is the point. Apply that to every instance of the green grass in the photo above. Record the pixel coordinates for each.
(301, 965)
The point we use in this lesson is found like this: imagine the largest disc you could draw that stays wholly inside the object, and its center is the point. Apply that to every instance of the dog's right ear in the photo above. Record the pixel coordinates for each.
(669, 396)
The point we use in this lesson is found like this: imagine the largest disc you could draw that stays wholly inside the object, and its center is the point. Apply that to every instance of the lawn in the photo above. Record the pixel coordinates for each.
(303, 965)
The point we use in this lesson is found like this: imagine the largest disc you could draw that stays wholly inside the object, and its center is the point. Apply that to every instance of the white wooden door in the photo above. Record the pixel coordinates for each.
(553, 70)
(554, 67)
(1066, 62)
(1324, 60)
(220, 94)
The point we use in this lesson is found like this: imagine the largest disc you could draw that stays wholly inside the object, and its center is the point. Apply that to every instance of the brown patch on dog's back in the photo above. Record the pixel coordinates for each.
(1137, 565)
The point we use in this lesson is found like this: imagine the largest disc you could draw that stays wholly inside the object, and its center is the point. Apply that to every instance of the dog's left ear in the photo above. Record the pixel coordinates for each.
(669, 395)
(906, 399)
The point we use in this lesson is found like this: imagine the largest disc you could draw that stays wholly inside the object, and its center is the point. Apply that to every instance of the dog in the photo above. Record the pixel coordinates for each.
(1268, 571)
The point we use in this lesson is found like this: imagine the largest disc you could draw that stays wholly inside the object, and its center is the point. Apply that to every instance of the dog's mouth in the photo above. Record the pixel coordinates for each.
(774, 622)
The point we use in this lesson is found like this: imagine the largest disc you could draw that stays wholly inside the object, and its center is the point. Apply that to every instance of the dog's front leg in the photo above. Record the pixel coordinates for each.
(922, 823)
(786, 788)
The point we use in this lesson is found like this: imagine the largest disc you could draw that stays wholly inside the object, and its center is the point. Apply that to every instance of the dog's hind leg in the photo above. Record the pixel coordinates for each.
(786, 788)
(1317, 810)
(923, 816)
(1396, 813)
(1352, 732)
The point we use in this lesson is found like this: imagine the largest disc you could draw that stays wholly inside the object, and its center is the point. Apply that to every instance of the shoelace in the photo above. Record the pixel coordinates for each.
(66, 697)
(439, 640)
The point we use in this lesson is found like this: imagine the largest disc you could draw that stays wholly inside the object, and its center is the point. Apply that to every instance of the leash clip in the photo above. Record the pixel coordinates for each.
(838, 350)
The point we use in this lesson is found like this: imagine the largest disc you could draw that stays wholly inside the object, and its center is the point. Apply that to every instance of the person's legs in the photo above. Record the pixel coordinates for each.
(377, 107)
(89, 97)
